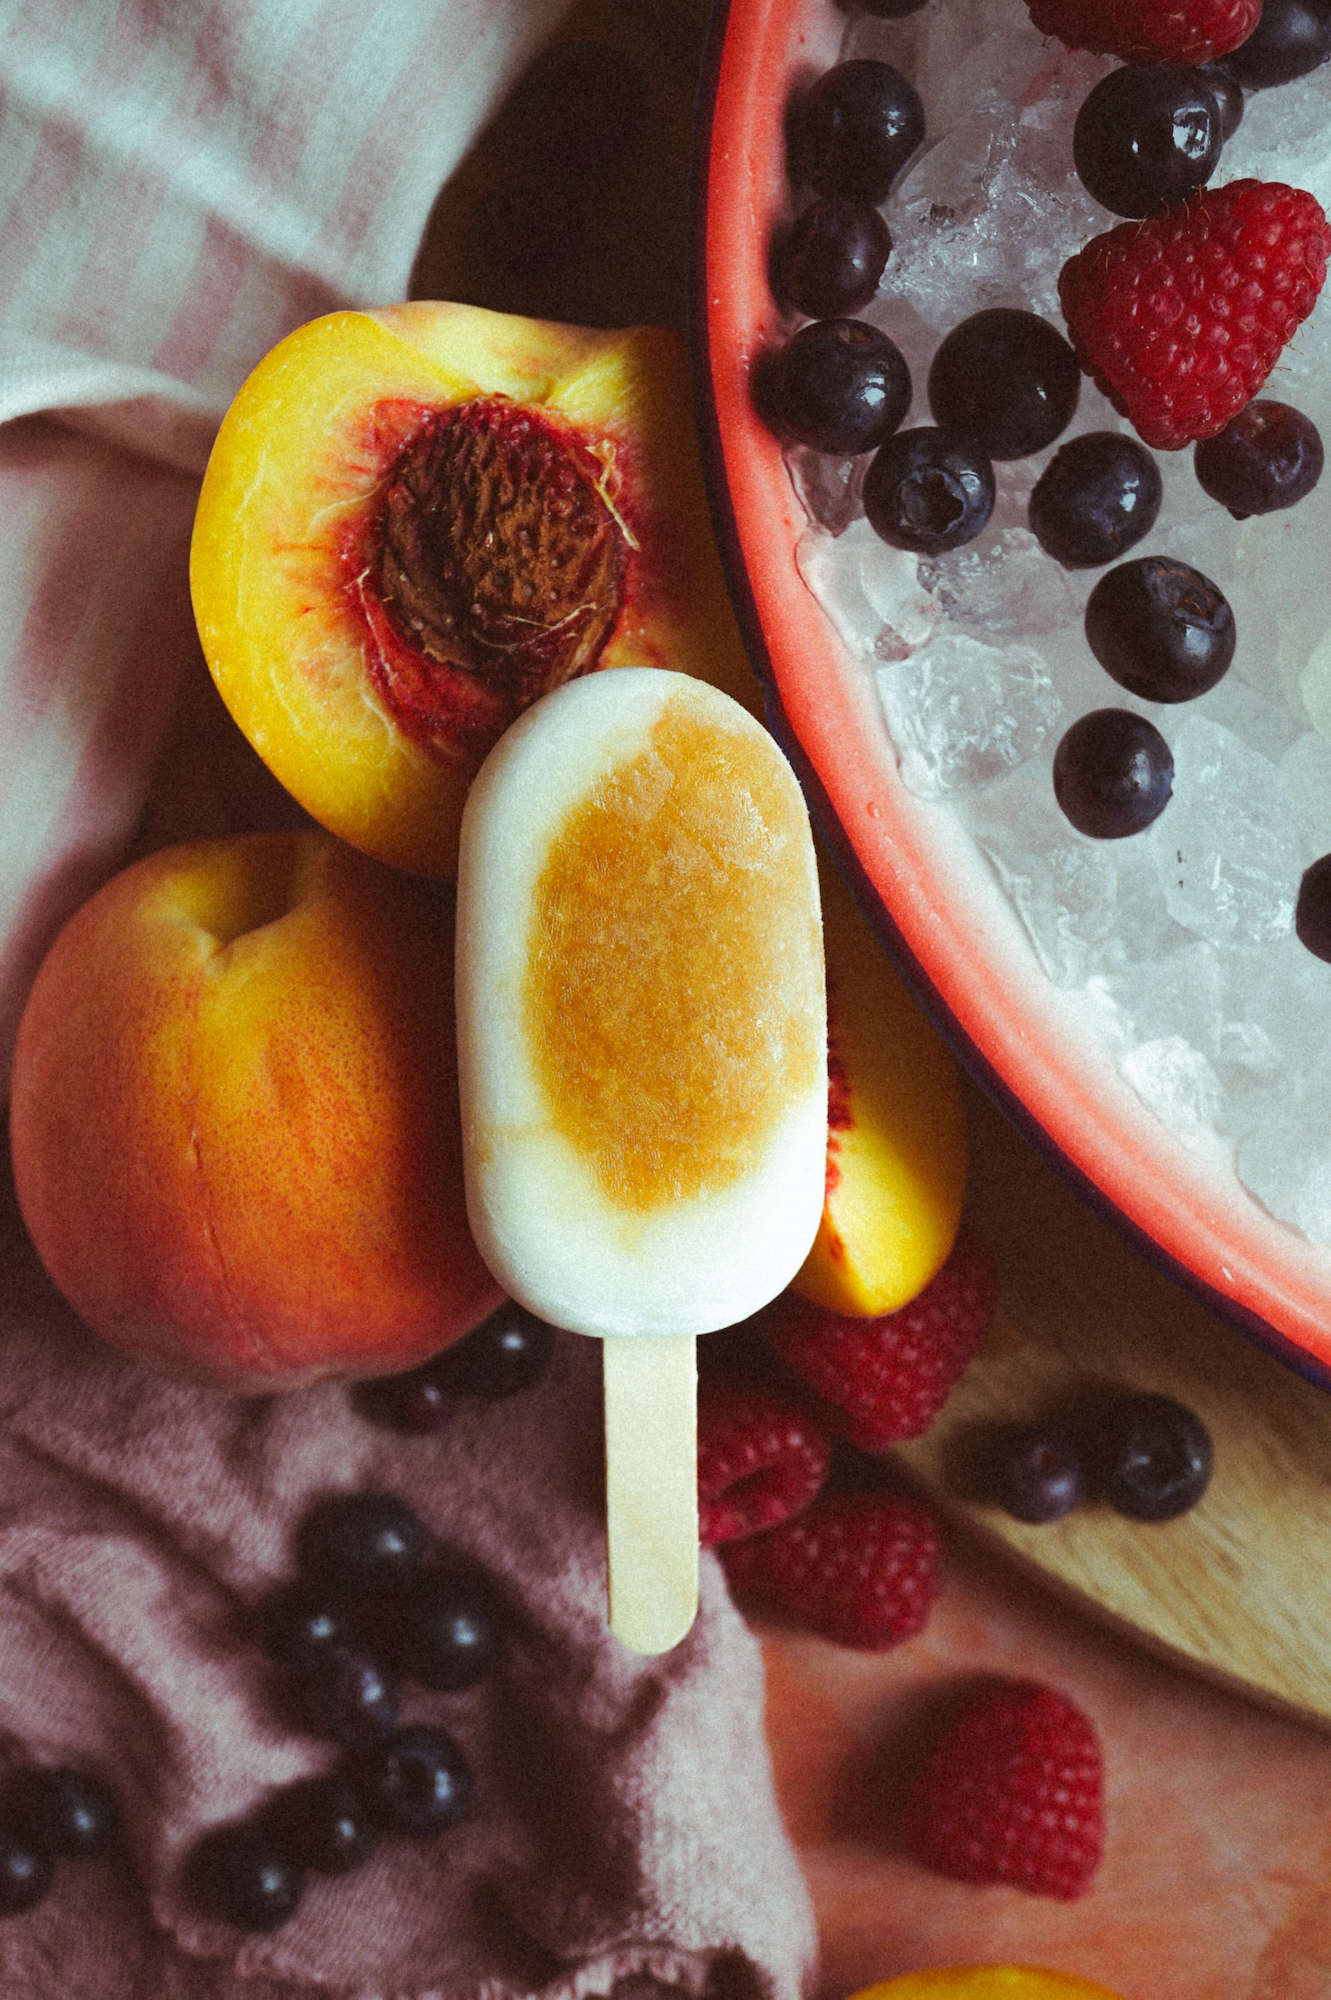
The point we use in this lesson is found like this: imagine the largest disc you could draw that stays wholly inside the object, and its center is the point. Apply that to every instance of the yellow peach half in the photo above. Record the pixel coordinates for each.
(415, 520)
(896, 1160)
(234, 1123)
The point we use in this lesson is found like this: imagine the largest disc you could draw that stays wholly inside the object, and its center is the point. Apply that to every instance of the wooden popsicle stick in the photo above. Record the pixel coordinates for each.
(651, 1487)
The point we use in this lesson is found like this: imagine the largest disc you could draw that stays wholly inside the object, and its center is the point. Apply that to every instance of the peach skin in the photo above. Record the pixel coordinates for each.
(415, 520)
(896, 1159)
(234, 1121)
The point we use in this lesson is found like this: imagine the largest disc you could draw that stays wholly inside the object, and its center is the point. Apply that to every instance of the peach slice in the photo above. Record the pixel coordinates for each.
(896, 1158)
(234, 1124)
(987, 1982)
(417, 519)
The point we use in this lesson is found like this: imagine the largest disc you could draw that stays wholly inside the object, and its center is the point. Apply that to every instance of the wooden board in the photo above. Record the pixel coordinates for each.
(1231, 1588)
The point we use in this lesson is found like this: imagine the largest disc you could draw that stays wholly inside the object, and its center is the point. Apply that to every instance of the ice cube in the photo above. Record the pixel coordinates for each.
(962, 713)
(1176, 1081)
(877, 605)
(1286, 1162)
(1305, 773)
(1004, 585)
(1225, 847)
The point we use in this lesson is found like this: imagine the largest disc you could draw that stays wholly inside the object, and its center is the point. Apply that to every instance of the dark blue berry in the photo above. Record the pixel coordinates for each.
(1036, 1473)
(1267, 457)
(1097, 497)
(64, 1811)
(417, 1403)
(1312, 909)
(416, 1783)
(928, 490)
(350, 1697)
(1154, 1456)
(1007, 379)
(829, 261)
(1292, 38)
(359, 1545)
(853, 130)
(26, 1871)
(1160, 628)
(1147, 137)
(1228, 95)
(448, 1633)
(322, 1824)
(1113, 773)
(242, 1874)
(301, 1622)
(839, 386)
(504, 1355)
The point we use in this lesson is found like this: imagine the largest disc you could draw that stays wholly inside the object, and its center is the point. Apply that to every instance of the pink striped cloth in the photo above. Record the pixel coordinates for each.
(181, 183)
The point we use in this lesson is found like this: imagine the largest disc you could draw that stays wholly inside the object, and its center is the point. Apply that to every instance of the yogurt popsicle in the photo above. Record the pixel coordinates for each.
(642, 1059)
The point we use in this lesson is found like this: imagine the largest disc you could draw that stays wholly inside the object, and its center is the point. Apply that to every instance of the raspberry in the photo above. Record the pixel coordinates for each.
(1174, 31)
(1180, 318)
(858, 1568)
(887, 1378)
(1012, 1791)
(762, 1456)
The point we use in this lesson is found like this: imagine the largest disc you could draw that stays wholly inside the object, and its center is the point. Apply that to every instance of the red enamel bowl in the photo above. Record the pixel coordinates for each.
(937, 906)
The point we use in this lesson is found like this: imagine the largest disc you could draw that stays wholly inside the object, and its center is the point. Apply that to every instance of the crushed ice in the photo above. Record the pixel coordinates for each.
(1179, 939)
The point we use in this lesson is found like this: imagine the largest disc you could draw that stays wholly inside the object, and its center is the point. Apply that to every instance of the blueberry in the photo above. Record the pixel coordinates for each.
(1007, 379)
(416, 1783)
(1292, 37)
(928, 490)
(841, 386)
(242, 1874)
(829, 261)
(1312, 908)
(26, 1871)
(504, 1355)
(64, 1811)
(1113, 773)
(300, 1622)
(1037, 1473)
(1147, 137)
(448, 1632)
(853, 130)
(1160, 628)
(1228, 95)
(359, 1545)
(350, 1697)
(1267, 457)
(1154, 1456)
(322, 1824)
(1098, 495)
(417, 1403)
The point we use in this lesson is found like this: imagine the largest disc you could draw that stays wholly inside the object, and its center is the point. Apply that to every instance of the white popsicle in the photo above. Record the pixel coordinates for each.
(642, 1059)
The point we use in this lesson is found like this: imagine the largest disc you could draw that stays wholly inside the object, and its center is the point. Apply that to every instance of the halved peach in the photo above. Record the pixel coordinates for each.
(987, 1982)
(417, 519)
(896, 1150)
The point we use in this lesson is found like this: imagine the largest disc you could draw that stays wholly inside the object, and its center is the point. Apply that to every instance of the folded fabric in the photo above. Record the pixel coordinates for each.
(179, 187)
(625, 1825)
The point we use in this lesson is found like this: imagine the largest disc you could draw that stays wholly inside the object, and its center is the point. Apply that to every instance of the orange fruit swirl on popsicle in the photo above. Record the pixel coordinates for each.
(641, 1024)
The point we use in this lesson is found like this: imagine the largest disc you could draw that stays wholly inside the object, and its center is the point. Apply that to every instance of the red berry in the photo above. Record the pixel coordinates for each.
(762, 1456)
(1180, 318)
(857, 1568)
(1180, 31)
(887, 1378)
(1012, 1790)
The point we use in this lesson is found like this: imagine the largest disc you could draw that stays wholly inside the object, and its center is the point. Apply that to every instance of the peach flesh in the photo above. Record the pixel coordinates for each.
(234, 1121)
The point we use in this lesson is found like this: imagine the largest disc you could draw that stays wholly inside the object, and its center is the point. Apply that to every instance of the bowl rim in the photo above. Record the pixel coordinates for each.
(1269, 1282)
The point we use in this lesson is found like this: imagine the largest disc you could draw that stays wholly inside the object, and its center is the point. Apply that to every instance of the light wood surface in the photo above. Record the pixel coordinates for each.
(651, 1488)
(1238, 1586)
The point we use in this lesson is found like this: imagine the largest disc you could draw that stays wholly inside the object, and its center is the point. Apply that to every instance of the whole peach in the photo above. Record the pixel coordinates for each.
(234, 1119)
